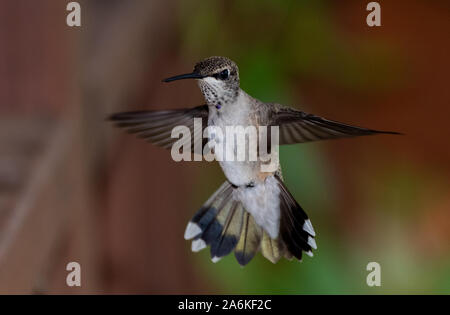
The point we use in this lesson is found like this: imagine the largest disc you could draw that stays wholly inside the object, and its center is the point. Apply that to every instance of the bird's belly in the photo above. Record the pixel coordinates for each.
(235, 162)
(240, 165)
(240, 173)
(238, 159)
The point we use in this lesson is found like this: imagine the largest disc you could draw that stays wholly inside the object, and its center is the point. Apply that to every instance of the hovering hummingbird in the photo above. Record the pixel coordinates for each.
(252, 210)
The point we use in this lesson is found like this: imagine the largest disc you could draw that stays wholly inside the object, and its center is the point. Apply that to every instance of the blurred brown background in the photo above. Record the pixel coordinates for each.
(72, 188)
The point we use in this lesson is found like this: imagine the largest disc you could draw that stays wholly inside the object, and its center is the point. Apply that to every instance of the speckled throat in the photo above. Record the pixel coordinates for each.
(217, 95)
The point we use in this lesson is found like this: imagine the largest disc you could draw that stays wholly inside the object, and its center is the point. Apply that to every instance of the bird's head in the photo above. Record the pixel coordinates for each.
(218, 78)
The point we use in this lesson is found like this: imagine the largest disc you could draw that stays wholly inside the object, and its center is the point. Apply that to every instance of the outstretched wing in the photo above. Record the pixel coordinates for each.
(156, 126)
(298, 127)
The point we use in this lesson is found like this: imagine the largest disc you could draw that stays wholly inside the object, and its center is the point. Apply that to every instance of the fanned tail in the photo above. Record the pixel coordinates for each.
(223, 224)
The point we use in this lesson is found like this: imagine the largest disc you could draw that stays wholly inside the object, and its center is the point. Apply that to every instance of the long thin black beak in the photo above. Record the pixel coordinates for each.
(192, 75)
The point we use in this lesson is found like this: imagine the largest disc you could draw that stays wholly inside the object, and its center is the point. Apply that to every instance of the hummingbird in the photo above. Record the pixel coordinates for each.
(252, 210)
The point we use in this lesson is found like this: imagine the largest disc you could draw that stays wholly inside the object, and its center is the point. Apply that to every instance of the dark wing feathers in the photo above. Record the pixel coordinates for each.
(298, 127)
(295, 126)
(156, 126)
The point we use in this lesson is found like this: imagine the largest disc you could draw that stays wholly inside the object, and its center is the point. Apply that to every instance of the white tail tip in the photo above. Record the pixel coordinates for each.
(312, 242)
(192, 230)
(216, 259)
(307, 226)
(198, 245)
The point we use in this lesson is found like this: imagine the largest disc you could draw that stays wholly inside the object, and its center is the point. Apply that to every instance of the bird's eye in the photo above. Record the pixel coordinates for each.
(224, 74)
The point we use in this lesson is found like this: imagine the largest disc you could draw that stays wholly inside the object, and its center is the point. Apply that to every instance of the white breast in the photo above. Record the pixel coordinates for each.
(237, 114)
